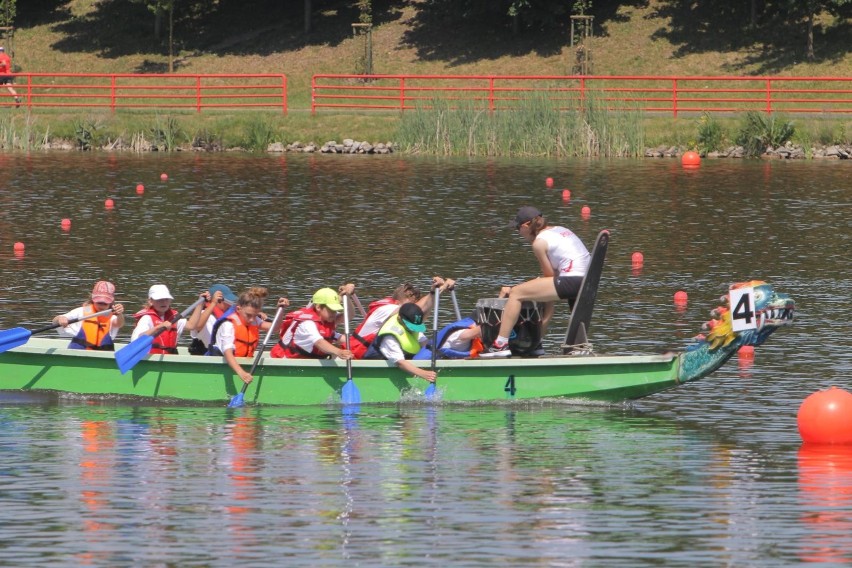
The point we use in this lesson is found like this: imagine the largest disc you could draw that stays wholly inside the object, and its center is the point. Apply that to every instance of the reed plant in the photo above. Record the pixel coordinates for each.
(534, 126)
(759, 131)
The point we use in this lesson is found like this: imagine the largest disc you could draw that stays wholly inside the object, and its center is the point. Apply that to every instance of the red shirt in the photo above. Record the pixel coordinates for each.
(5, 64)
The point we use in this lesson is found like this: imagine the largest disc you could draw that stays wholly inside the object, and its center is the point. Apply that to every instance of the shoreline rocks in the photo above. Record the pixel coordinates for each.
(788, 151)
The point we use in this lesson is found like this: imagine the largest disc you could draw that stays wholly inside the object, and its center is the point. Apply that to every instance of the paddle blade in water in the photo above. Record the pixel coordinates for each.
(350, 394)
(238, 400)
(430, 391)
(12, 338)
(133, 352)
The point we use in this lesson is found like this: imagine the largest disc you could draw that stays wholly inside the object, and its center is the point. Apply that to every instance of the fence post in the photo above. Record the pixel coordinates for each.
(402, 94)
(313, 94)
(491, 94)
(112, 93)
(582, 94)
(198, 94)
(284, 93)
(769, 96)
(674, 98)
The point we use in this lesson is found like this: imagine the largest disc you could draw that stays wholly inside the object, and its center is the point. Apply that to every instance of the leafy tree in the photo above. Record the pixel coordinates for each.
(810, 9)
(7, 12)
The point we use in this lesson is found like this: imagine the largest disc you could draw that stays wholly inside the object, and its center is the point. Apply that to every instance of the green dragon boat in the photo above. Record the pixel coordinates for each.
(753, 312)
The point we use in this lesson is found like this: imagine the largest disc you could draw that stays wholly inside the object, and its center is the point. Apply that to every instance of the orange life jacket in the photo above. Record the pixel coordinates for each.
(94, 333)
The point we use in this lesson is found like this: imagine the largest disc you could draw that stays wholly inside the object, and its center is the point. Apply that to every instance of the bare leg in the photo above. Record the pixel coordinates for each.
(539, 290)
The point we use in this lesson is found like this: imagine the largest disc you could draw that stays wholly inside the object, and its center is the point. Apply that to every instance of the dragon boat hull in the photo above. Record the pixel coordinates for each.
(46, 365)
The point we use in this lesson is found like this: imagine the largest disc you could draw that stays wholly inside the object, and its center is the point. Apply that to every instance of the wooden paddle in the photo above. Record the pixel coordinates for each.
(136, 350)
(15, 337)
(238, 401)
(430, 390)
(349, 394)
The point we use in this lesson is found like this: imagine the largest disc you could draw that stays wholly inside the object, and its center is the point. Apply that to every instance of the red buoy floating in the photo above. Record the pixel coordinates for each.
(586, 212)
(680, 297)
(140, 189)
(19, 247)
(825, 417)
(548, 182)
(66, 224)
(164, 176)
(746, 352)
(566, 195)
(109, 203)
(690, 159)
(638, 259)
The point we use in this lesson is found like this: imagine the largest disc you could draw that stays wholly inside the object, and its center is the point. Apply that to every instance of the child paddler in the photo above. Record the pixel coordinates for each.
(400, 339)
(94, 333)
(219, 300)
(311, 332)
(157, 315)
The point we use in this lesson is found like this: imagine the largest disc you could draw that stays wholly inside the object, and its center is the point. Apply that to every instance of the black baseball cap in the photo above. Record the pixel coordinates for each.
(525, 214)
(412, 317)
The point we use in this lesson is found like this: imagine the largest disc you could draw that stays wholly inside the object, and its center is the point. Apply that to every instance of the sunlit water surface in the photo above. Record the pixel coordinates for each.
(711, 473)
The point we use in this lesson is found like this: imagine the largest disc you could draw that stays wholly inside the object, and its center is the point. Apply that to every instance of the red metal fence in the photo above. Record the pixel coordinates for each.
(161, 91)
(670, 95)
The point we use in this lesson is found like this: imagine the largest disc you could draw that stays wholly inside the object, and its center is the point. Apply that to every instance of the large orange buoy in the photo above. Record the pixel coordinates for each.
(19, 246)
(637, 259)
(680, 297)
(825, 417)
(690, 159)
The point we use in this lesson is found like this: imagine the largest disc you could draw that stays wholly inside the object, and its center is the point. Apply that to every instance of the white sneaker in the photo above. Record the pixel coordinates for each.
(494, 352)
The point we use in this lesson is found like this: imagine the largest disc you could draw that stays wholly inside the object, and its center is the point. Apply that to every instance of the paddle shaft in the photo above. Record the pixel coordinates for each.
(74, 320)
(435, 328)
(346, 335)
(358, 305)
(455, 304)
(183, 314)
(262, 347)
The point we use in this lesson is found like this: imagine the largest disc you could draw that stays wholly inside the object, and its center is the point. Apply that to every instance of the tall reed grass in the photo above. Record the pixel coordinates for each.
(535, 126)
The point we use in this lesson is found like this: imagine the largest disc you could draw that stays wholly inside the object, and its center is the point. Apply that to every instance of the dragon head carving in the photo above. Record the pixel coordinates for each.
(771, 311)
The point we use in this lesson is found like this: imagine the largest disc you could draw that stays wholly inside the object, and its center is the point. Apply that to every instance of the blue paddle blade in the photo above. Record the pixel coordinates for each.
(237, 401)
(350, 394)
(430, 391)
(133, 352)
(12, 338)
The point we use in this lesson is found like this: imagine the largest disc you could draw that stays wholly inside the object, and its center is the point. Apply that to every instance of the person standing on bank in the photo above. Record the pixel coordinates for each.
(563, 259)
(6, 77)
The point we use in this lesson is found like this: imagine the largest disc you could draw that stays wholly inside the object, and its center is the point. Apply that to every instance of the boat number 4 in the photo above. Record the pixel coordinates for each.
(743, 315)
(509, 387)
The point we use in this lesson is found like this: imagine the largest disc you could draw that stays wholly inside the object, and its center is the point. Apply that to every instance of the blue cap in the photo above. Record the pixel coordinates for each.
(229, 296)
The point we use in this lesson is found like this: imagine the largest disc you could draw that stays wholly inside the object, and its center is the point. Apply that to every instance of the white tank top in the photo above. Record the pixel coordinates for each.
(566, 252)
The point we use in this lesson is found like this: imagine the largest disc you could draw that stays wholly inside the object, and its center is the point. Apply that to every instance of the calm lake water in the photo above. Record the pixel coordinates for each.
(712, 473)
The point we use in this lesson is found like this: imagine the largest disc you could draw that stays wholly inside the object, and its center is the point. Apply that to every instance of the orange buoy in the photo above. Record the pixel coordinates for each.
(638, 259)
(109, 203)
(680, 297)
(66, 224)
(19, 246)
(690, 159)
(140, 189)
(566, 195)
(164, 176)
(825, 417)
(548, 182)
(586, 212)
(746, 352)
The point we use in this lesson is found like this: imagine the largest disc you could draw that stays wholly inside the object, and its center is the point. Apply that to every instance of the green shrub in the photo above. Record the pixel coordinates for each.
(710, 133)
(760, 131)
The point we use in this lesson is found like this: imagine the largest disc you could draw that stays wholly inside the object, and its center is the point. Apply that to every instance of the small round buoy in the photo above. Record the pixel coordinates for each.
(140, 189)
(109, 203)
(164, 176)
(66, 224)
(746, 352)
(637, 259)
(825, 417)
(680, 297)
(586, 212)
(548, 182)
(19, 247)
(690, 159)
(566, 195)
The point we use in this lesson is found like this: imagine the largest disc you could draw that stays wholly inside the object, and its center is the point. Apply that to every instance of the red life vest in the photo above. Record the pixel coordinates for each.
(327, 330)
(94, 333)
(166, 341)
(358, 343)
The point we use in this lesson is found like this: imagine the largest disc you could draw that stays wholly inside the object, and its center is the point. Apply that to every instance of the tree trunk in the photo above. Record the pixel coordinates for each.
(307, 16)
(171, 38)
(158, 24)
(753, 13)
(811, 56)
